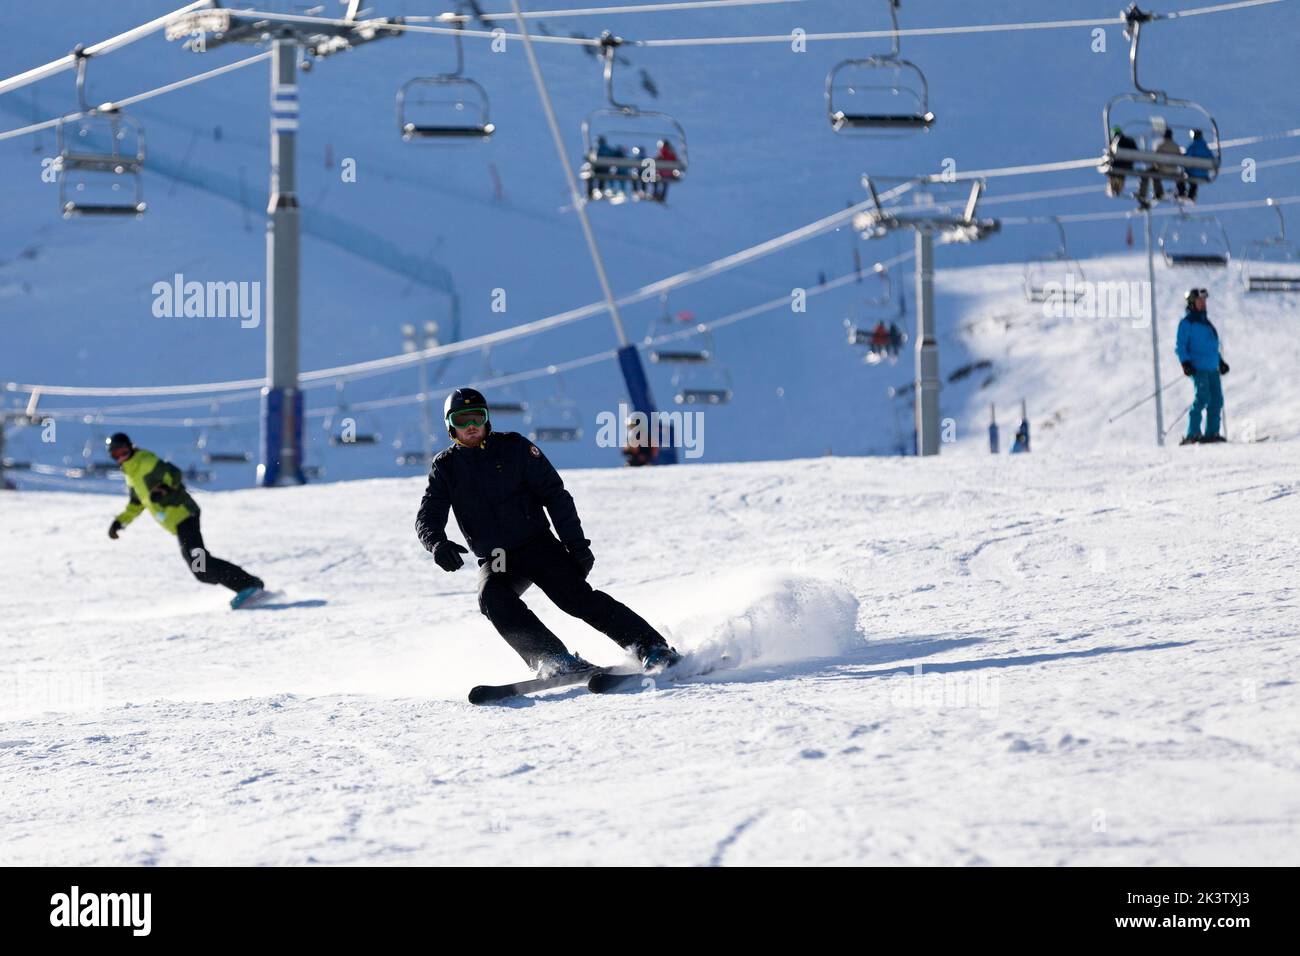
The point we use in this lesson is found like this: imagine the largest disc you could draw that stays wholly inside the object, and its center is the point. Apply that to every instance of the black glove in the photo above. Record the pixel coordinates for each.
(1188, 368)
(580, 551)
(1223, 367)
(447, 554)
(115, 528)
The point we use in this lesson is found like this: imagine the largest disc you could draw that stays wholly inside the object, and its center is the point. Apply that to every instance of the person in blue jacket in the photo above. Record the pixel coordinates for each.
(1198, 350)
(1199, 148)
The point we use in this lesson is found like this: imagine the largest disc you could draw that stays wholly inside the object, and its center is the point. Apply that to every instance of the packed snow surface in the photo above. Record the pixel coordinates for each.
(1070, 659)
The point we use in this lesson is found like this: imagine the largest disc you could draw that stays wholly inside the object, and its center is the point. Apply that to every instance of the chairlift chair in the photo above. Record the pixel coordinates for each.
(883, 297)
(1271, 265)
(101, 156)
(554, 419)
(1195, 241)
(865, 337)
(506, 400)
(621, 142)
(445, 108)
(223, 454)
(347, 428)
(1145, 115)
(409, 447)
(92, 467)
(1056, 276)
(884, 307)
(674, 339)
(707, 384)
(698, 377)
(879, 95)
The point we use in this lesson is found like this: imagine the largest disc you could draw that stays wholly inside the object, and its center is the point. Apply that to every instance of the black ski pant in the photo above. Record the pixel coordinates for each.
(205, 567)
(545, 562)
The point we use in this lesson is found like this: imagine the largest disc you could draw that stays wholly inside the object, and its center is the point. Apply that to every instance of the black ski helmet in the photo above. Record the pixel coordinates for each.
(116, 441)
(465, 398)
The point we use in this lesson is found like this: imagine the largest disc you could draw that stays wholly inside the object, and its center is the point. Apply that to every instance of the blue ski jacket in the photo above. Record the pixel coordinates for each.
(1198, 342)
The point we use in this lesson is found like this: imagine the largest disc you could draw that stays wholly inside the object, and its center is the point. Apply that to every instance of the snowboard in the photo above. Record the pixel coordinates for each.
(251, 597)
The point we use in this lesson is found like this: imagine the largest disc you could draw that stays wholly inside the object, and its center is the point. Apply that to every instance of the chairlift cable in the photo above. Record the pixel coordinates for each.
(945, 31)
(136, 33)
(392, 363)
(605, 11)
(139, 97)
(69, 62)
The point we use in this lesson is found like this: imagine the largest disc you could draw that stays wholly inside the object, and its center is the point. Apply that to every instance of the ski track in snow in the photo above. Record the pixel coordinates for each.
(1107, 650)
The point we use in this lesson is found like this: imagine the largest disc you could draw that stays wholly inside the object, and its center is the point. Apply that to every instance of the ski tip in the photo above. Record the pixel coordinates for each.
(483, 694)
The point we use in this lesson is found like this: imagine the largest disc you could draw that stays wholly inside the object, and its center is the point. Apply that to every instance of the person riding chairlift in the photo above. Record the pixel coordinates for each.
(600, 171)
(895, 339)
(1118, 167)
(666, 154)
(879, 339)
(1200, 149)
(1166, 145)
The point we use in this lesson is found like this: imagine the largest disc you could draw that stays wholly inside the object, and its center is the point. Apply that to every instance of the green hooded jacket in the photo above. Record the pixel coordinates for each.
(144, 471)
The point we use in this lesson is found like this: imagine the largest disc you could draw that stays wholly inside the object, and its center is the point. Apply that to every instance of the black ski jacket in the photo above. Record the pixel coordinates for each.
(497, 492)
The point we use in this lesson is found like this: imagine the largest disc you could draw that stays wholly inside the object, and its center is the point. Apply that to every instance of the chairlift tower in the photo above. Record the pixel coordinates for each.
(203, 30)
(927, 223)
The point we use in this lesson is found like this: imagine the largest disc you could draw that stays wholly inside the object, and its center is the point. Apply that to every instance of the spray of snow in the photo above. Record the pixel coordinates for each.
(765, 617)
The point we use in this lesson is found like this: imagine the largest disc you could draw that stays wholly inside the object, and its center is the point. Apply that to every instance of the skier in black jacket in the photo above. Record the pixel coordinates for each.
(497, 484)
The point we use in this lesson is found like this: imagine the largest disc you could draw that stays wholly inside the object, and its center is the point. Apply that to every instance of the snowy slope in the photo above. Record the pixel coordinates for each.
(418, 222)
(1049, 659)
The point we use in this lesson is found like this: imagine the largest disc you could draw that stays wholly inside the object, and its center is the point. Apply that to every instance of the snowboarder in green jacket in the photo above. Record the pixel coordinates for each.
(156, 485)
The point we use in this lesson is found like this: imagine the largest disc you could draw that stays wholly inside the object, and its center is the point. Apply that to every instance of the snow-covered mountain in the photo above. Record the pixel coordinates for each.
(423, 235)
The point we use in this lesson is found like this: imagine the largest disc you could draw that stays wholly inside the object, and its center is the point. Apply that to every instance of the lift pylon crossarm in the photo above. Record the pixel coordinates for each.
(217, 27)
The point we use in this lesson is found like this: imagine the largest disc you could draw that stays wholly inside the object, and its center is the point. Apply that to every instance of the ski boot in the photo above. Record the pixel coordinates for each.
(1191, 440)
(658, 657)
(561, 664)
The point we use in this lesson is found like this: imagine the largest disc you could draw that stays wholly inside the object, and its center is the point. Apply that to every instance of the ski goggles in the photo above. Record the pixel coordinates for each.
(1197, 294)
(467, 417)
(120, 454)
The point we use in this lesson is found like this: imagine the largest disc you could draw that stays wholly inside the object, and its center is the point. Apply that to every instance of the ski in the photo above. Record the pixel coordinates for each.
(488, 693)
(609, 681)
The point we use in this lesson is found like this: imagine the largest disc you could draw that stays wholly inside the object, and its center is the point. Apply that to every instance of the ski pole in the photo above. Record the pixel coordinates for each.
(1141, 402)
(1179, 417)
